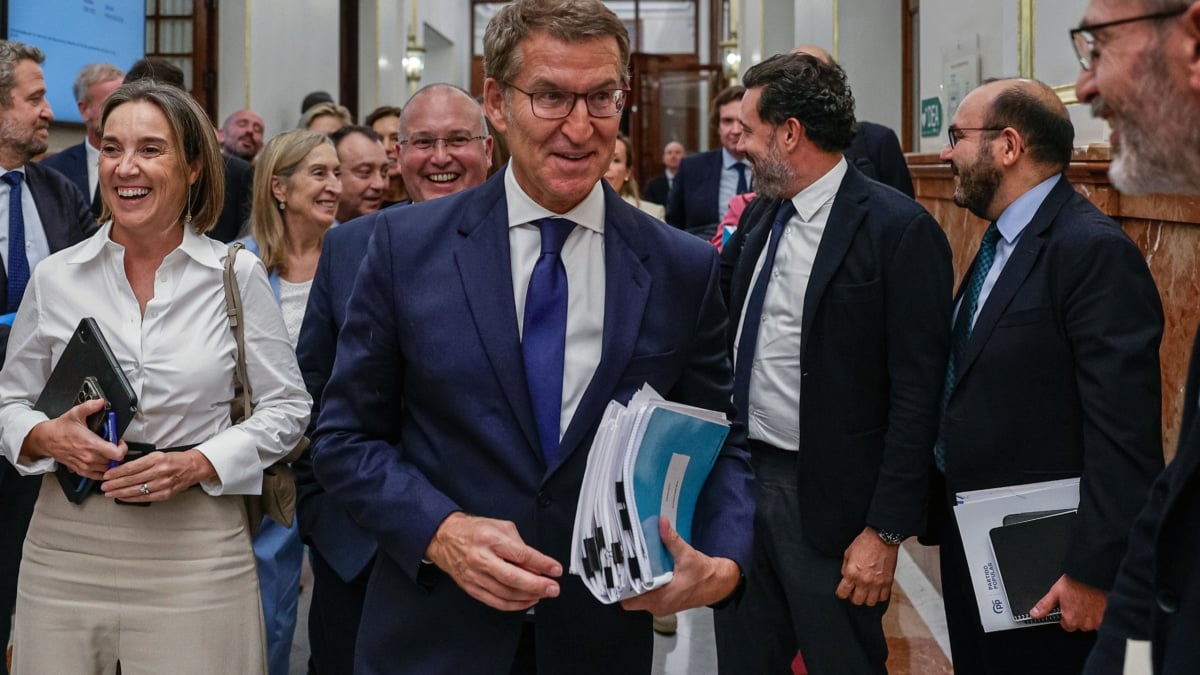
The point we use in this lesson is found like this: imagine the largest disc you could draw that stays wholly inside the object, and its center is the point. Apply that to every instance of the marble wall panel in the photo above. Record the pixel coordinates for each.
(1165, 227)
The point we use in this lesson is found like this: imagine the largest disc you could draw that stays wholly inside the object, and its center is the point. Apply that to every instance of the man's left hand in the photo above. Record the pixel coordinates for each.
(867, 570)
(1082, 605)
(699, 579)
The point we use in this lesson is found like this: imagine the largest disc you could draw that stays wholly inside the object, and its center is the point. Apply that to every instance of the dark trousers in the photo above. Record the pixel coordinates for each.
(333, 617)
(790, 601)
(17, 497)
(1044, 649)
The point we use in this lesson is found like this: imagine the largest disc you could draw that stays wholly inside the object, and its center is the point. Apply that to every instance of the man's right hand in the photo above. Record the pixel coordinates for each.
(488, 560)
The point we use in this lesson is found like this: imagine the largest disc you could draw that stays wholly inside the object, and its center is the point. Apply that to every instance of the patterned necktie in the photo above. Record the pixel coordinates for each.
(961, 333)
(752, 317)
(545, 334)
(742, 186)
(18, 264)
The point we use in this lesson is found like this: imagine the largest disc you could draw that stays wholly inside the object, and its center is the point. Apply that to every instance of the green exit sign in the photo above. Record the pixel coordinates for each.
(931, 117)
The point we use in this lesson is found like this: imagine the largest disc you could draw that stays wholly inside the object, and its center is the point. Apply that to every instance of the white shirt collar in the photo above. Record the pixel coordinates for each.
(810, 200)
(728, 160)
(522, 209)
(196, 246)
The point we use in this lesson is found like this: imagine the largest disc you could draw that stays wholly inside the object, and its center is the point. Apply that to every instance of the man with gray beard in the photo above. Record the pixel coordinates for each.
(839, 323)
(1139, 64)
(41, 211)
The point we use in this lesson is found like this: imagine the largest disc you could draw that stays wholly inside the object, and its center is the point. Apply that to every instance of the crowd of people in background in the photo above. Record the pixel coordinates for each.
(446, 297)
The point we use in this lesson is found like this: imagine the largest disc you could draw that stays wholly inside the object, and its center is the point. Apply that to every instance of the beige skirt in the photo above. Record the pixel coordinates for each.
(167, 589)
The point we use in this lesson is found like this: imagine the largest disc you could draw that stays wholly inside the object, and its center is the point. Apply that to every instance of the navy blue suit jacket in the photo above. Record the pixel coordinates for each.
(72, 163)
(323, 523)
(1067, 344)
(692, 201)
(428, 413)
(876, 152)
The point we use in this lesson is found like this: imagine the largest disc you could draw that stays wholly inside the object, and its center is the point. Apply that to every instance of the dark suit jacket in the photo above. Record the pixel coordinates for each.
(876, 152)
(1060, 378)
(428, 413)
(874, 339)
(692, 202)
(239, 186)
(66, 215)
(1156, 595)
(324, 524)
(657, 190)
(72, 163)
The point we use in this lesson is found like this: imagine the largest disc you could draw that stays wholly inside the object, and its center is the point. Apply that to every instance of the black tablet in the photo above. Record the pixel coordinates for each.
(86, 356)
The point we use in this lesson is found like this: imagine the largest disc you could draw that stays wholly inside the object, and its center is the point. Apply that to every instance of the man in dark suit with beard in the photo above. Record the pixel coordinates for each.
(839, 323)
(41, 212)
(1054, 370)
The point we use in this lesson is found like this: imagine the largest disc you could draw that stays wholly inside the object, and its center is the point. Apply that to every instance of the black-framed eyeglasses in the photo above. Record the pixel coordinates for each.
(425, 144)
(1084, 37)
(555, 105)
(956, 133)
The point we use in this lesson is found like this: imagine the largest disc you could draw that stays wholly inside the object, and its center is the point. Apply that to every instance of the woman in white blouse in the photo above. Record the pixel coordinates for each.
(296, 191)
(170, 588)
(620, 177)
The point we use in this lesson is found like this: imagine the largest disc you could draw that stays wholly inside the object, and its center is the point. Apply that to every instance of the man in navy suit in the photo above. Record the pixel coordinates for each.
(80, 163)
(658, 188)
(839, 322)
(486, 333)
(53, 215)
(342, 552)
(1054, 371)
(1138, 64)
(705, 182)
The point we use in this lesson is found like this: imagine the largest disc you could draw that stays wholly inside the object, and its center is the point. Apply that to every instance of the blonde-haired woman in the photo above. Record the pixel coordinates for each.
(325, 118)
(620, 177)
(296, 191)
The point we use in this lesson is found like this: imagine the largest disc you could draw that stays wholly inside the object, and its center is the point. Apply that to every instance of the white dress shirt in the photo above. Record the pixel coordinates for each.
(774, 415)
(583, 257)
(93, 167)
(727, 188)
(179, 357)
(37, 247)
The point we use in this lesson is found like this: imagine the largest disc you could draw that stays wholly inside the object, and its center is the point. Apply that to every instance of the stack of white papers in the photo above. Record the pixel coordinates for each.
(648, 459)
(977, 512)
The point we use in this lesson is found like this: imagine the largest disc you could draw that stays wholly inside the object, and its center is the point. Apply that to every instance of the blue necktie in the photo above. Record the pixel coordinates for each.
(18, 264)
(545, 334)
(752, 317)
(743, 186)
(961, 332)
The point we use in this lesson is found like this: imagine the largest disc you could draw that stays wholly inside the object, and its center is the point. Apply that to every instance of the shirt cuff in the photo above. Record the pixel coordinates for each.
(13, 437)
(234, 456)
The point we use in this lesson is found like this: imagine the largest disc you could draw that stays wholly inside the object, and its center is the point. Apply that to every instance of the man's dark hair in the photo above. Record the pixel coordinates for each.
(1046, 131)
(815, 93)
(314, 98)
(727, 95)
(158, 69)
(380, 113)
(338, 136)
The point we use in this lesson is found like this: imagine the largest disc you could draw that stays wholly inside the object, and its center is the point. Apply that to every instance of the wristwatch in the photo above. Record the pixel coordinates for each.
(891, 538)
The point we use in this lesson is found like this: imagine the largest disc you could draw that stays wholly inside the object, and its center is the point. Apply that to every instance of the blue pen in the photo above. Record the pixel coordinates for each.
(110, 429)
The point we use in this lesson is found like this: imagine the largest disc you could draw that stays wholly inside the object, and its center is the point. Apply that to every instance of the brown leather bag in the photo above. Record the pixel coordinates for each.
(278, 498)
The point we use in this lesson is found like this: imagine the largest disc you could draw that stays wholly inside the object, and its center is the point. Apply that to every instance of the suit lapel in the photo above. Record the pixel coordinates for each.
(626, 290)
(486, 274)
(50, 207)
(849, 209)
(752, 248)
(1019, 264)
